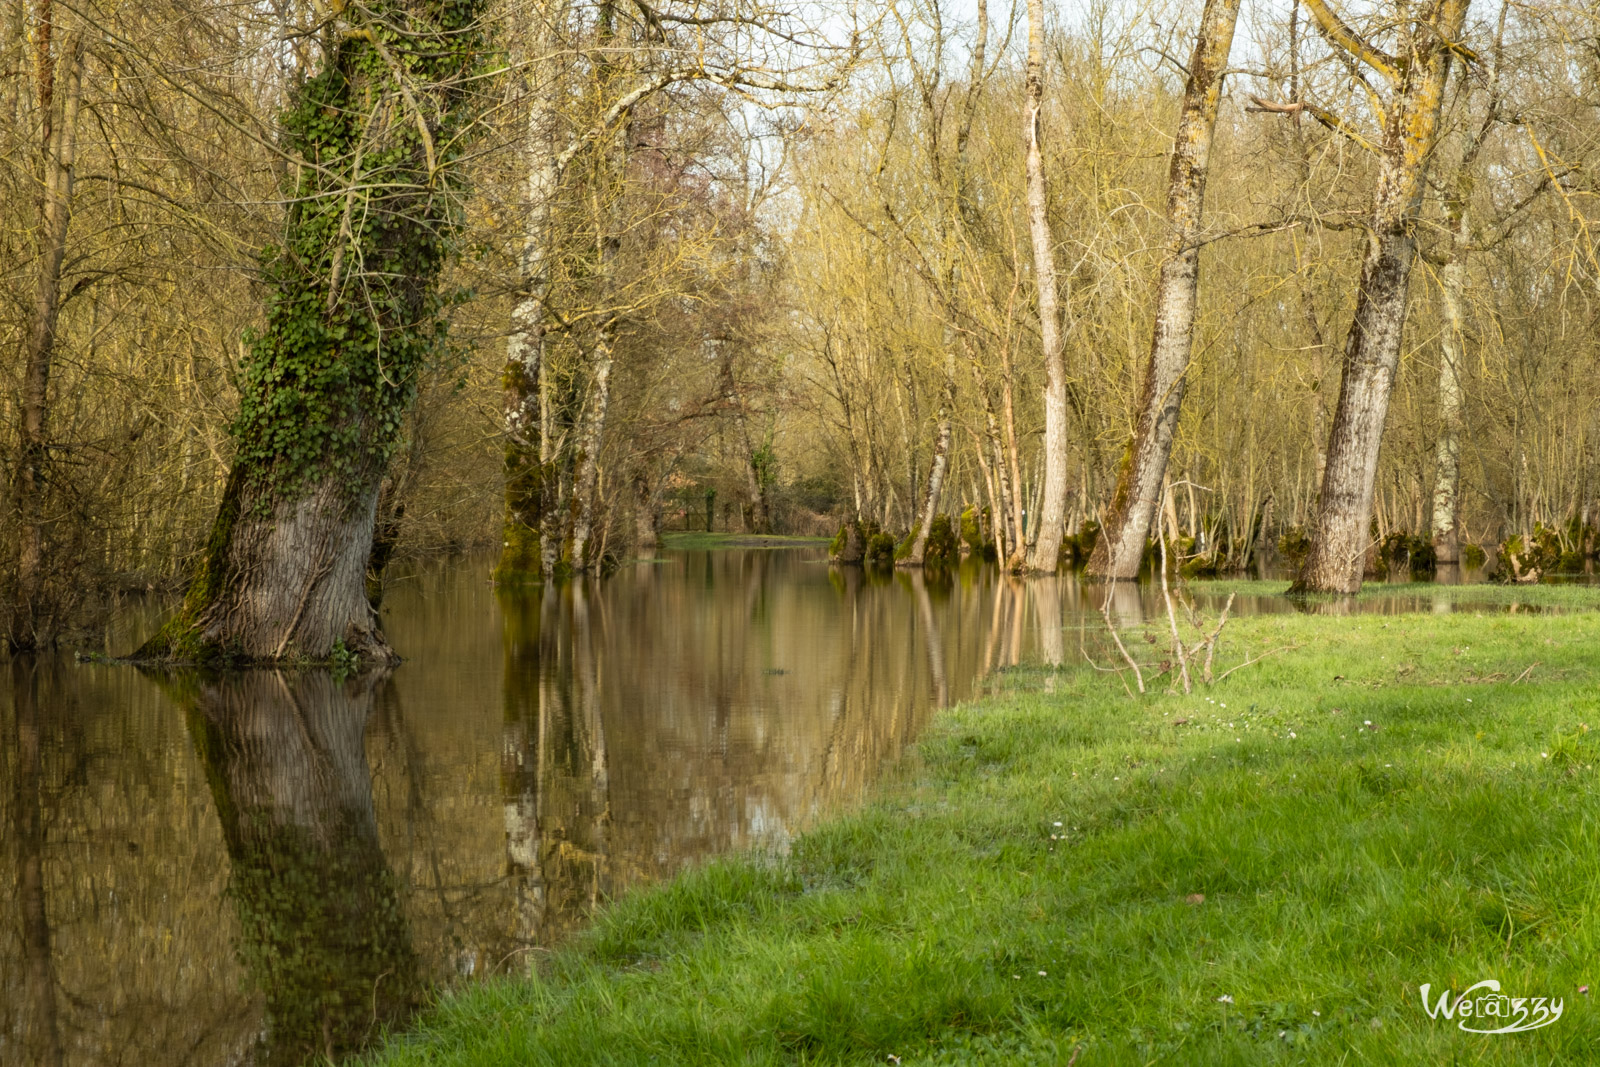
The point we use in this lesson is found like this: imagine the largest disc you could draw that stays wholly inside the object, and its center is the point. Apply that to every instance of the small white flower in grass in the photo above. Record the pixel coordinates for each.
(1055, 824)
(1225, 999)
(1291, 733)
(1224, 705)
(1314, 1011)
(1041, 974)
(1544, 755)
(1366, 722)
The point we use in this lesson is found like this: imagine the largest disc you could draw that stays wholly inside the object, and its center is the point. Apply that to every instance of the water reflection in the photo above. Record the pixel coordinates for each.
(262, 868)
(39, 1029)
(322, 932)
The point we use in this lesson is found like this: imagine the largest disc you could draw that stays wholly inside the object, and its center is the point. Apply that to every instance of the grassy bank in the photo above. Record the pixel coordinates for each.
(1264, 872)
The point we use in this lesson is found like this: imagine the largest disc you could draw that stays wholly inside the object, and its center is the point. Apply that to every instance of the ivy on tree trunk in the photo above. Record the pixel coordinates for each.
(354, 310)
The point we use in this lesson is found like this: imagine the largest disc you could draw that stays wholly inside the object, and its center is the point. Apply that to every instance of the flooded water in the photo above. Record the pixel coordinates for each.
(265, 867)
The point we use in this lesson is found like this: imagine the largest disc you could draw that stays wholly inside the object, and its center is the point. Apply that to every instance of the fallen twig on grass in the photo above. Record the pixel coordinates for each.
(1258, 659)
(1525, 673)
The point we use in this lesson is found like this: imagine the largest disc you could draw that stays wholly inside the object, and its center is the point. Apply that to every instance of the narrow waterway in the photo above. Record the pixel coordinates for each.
(269, 866)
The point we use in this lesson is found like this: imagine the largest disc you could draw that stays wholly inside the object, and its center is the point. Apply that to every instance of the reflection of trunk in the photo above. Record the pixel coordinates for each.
(43, 1043)
(519, 764)
(554, 773)
(1050, 524)
(321, 927)
(57, 151)
(1046, 593)
(1372, 347)
(1120, 550)
(930, 635)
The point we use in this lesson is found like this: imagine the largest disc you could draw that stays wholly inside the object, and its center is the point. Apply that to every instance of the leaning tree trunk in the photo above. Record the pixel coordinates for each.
(353, 313)
(1372, 347)
(57, 151)
(1046, 553)
(1119, 552)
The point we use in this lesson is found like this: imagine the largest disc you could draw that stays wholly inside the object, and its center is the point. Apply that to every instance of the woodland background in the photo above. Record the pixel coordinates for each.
(780, 343)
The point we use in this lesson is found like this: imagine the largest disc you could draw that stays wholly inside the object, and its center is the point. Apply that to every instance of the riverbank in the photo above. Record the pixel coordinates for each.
(1261, 872)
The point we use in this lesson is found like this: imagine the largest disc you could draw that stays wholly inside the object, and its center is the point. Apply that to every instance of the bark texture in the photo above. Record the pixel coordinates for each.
(1119, 551)
(1372, 346)
(1046, 552)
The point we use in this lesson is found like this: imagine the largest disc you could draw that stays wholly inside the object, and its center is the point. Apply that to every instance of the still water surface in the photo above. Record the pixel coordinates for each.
(269, 866)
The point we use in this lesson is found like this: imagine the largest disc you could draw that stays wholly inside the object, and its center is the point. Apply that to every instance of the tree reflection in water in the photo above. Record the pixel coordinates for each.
(322, 932)
(42, 1035)
(553, 777)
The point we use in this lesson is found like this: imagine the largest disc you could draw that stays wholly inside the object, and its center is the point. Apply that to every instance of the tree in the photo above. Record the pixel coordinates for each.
(1119, 553)
(54, 173)
(1408, 118)
(354, 312)
(1047, 548)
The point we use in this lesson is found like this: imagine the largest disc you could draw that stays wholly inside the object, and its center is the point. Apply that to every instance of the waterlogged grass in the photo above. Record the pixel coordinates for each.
(1567, 595)
(1396, 800)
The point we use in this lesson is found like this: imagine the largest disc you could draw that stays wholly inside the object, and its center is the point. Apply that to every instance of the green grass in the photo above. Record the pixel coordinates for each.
(700, 541)
(1543, 595)
(1456, 839)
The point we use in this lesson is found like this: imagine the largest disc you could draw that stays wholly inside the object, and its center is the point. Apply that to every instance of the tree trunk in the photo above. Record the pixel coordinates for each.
(936, 473)
(57, 150)
(1372, 347)
(1447, 456)
(590, 438)
(525, 456)
(1046, 552)
(1452, 294)
(646, 515)
(330, 377)
(1120, 549)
